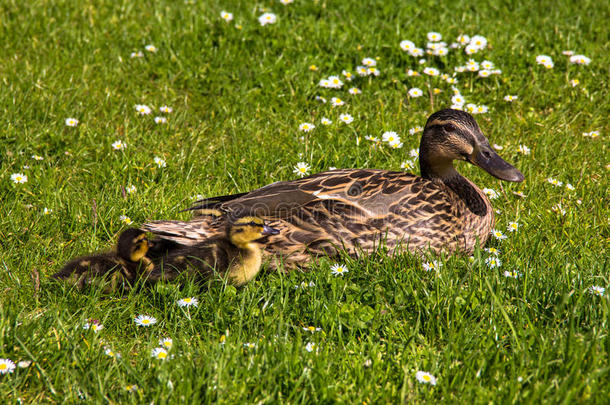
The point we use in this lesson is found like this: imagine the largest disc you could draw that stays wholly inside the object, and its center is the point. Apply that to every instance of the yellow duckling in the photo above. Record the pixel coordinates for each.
(119, 269)
(236, 255)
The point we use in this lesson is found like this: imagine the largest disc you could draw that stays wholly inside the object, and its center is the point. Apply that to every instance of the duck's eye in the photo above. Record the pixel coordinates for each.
(449, 127)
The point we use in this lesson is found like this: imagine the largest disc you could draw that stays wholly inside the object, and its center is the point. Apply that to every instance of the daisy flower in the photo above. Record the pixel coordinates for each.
(369, 62)
(348, 76)
(310, 347)
(286, 2)
(188, 302)
(131, 388)
(160, 120)
(471, 49)
(498, 234)
(574, 82)
(159, 162)
(592, 134)
(125, 219)
(493, 251)
(226, 16)
(313, 68)
(545, 61)
(362, 71)
(558, 209)
(554, 182)
(311, 329)
(267, 18)
(434, 36)
(463, 40)
(335, 82)
(325, 121)
(430, 71)
(425, 378)
(407, 165)
(395, 144)
(510, 98)
(458, 99)
(595, 290)
(36, 157)
(46, 211)
(346, 118)
(19, 178)
(111, 353)
(407, 45)
(491, 193)
(145, 320)
(513, 227)
(250, 345)
(143, 109)
(321, 99)
(306, 127)
(433, 265)
(166, 343)
(414, 153)
(412, 73)
(479, 42)
(512, 274)
(484, 73)
(354, 90)
(524, 149)
(493, 262)
(130, 189)
(338, 269)
(6, 366)
(119, 145)
(159, 353)
(151, 48)
(94, 325)
(569, 187)
(71, 122)
(415, 130)
(580, 60)
(302, 169)
(390, 136)
(336, 101)
(373, 71)
(415, 92)
(138, 54)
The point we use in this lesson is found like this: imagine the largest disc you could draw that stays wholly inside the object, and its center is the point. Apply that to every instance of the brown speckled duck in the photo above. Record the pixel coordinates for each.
(356, 209)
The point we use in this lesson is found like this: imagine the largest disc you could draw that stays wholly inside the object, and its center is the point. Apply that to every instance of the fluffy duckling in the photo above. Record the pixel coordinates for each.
(236, 255)
(119, 269)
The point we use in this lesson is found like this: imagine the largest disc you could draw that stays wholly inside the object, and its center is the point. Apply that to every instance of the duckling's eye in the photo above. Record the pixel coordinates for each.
(449, 127)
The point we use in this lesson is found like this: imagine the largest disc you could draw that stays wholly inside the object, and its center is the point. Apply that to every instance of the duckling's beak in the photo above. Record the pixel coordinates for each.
(267, 230)
(487, 159)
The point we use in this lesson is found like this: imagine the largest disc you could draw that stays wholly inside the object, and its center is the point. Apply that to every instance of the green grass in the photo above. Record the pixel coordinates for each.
(238, 97)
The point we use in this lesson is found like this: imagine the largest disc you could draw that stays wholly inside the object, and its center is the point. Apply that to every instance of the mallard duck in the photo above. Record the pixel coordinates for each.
(118, 269)
(234, 255)
(358, 209)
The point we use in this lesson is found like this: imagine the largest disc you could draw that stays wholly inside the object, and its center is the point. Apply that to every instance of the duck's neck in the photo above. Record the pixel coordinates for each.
(466, 190)
(247, 265)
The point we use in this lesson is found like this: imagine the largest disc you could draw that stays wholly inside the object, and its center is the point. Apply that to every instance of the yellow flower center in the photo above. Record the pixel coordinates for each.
(3, 366)
(426, 377)
(161, 355)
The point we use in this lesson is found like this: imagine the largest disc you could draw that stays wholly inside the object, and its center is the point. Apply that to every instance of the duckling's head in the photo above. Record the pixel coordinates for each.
(132, 245)
(454, 135)
(248, 229)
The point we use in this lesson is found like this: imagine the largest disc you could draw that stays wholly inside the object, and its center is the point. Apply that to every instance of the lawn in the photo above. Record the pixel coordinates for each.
(80, 158)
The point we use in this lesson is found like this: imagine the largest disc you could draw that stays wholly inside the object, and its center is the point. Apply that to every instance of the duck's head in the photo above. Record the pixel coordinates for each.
(454, 135)
(248, 229)
(132, 245)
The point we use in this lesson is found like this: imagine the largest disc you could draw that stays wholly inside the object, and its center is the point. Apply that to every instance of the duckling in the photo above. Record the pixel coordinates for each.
(235, 255)
(119, 268)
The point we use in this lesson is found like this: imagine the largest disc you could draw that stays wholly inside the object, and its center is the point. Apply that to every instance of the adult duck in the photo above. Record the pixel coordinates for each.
(357, 209)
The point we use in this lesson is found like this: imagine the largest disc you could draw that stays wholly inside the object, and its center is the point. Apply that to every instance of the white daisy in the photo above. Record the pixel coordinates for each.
(407, 45)
(493, 251)
(414, 153)
(125, 219)
(463, 40)
(302, 169)
(160, 120)
(580, 60)
(159, 162)
(145, 320)
(348, 76)
(390, 136)
(130, 189)
(159, 353)
(109, 352)
(267, 18)
(6, 366)
(434, 36)
(513, 227)
(166, 343)
(512, 274)
(407, 165)
(325, 121)
(336, 101)
(597, 290)
(339, 269)
(119, 145)
(524, 149)
(545, 61)
(346, 118)
(310, 347)
(311, 329)
(478, 41)
(369, 62)
(143, 109)
(415, 92)
(430, 71)
(510, 98)
(415, 130)
(395, 144)
(425, 378)
(36, 157)
(354, 90)
(493, 262)
(151, 48)
(306, 127)
(19, 178)
(491, 193)
(432, 266)
(554, 182)
(188, 302)
(138, 54)
(498, 234)
(166, 109)
(335, 82)
(226, 16)
(71, 122)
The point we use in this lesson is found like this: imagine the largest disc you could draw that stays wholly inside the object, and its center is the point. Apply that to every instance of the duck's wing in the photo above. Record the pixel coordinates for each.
(363, 191)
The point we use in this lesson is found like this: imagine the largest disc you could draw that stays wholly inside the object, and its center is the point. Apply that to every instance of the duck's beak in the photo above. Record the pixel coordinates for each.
(267, 230)
(487, 159)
